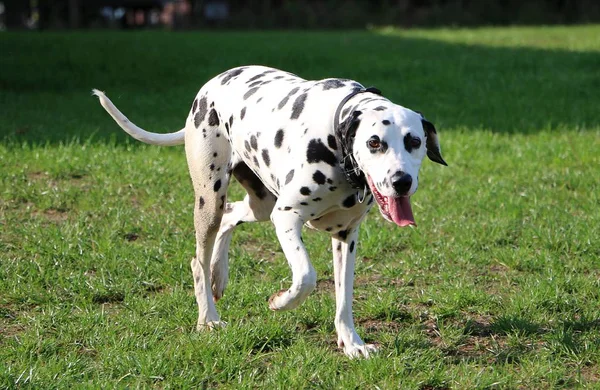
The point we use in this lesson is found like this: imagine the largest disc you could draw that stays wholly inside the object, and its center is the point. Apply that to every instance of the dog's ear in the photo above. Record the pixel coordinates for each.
(432, 144)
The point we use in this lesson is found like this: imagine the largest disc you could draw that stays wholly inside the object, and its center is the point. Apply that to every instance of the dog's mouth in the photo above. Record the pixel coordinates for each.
(394, 209)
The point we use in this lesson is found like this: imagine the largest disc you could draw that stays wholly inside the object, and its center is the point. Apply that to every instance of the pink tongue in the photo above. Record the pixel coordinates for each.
(400, 211)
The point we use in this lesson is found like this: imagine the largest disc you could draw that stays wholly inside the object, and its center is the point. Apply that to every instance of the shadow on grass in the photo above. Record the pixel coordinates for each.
(487, 339)
(153, 77)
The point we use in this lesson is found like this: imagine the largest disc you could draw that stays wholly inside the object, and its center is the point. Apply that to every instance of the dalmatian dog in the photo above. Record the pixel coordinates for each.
(315, 153)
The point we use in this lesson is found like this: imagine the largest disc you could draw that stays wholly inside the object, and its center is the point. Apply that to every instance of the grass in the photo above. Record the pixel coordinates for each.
(498, 287)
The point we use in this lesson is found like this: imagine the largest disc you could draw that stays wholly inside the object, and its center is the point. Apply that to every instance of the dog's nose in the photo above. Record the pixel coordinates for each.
(401, 182)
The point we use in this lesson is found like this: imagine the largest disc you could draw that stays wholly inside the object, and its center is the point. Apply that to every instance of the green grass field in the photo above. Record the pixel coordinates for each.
(498, 287)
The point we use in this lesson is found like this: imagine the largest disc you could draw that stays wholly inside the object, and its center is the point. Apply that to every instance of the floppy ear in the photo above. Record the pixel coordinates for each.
(345, 133)
(432, 144)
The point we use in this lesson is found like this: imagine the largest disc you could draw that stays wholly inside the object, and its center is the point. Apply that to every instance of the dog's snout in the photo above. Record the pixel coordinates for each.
(402, 182)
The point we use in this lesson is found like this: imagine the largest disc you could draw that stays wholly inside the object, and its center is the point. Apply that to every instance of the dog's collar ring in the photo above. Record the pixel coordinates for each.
(364, 194)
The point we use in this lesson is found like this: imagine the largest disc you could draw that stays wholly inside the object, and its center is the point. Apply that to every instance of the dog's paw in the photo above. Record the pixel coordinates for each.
(277, 300)
(210, 325)
(354, 347)
(358, 351)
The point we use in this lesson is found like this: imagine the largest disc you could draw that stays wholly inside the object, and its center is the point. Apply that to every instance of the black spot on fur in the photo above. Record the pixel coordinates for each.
(379, 108)
(331, 142)
(305, 191)
(304, 203)
(249, 180)
(284, 101)
(332, 84)
(254, 78)
(215, 154)
(343, 234)
(352, 247)
(247, 145)
(328, 229)
(319, 177)
(298, 106)
(231, 121)
(212, 167)
(231, 74)
(385, 122)
(217, 185)
(254, 84)
(265, 156)
(253, 142)
(332, 188)
(279, 138)
(287, 208)
(349, 201)
(213, 118)
(195, 105)
(289, 176)
(222, 202)
(250, 92)
(200, 202)
(317, 152)
(255, 161)
(317, 199)
(202, 108)
(243, 113)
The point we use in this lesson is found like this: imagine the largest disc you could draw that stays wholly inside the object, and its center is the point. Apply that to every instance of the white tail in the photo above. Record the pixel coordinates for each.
(169, 139)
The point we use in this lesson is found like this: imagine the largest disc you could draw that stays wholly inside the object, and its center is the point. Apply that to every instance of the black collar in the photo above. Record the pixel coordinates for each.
(345, 138)
(336, 118)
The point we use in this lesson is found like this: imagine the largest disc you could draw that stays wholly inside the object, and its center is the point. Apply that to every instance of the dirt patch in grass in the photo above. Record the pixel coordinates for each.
(325, 285)
(590, 373)
(55, 214)
(9, 325)
(373, 325)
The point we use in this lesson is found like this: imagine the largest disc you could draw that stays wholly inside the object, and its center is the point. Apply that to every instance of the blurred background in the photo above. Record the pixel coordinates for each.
(278, 14)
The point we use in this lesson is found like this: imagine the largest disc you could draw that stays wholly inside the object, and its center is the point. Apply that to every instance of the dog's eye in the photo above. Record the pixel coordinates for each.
(415, 143)
(374, 142)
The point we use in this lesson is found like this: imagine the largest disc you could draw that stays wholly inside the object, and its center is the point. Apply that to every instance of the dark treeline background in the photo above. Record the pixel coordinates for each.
(275, 14)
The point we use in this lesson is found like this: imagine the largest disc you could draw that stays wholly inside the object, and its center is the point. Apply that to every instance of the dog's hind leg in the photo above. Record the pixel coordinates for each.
(209, 154)
(256, 207)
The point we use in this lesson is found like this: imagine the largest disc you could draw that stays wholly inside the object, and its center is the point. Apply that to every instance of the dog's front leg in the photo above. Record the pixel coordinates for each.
(288, 227)
(344, 255)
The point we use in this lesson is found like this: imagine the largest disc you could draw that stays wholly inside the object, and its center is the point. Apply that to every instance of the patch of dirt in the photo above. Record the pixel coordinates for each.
(373, 325)
(325, 285)
(382, 281)
(9, 326)
(55, 214)
(590, 373)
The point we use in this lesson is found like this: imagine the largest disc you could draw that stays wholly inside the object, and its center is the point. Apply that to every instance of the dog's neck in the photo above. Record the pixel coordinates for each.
(344, 134)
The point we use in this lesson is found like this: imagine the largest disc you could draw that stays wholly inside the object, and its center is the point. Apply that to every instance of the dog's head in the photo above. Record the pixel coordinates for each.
(388, 148)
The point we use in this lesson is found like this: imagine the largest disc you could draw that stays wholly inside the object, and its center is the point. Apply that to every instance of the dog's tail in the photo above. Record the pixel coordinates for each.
(169, 139)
